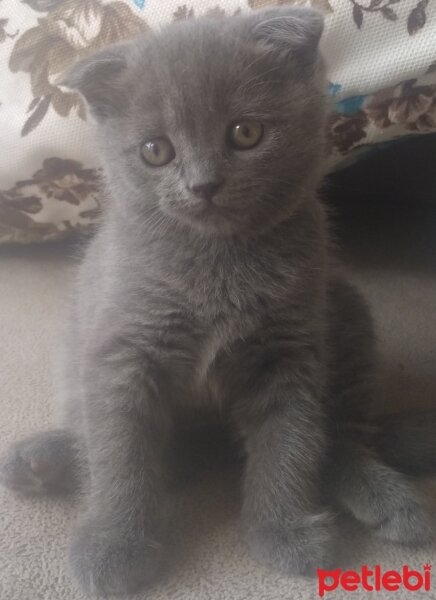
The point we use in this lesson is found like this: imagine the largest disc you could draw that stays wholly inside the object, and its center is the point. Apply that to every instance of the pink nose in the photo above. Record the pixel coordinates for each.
(206, 190)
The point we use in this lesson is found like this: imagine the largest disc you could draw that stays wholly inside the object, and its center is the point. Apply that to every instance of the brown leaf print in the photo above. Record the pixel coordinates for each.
(32, 45)
(322, 5)
(27, 204)
(64, 103)
(389, 14)
(410, 105)
(29, 212)
(427, 121)
(4, 35)
(71, 30)
(37, 116)
(417, 17)
(375, 6)
(183, 13)
(18, 227)
(42, 5)
(345, 131)
(93, 213)
(66, 180)
(358, 16)
(216, 13)
(34, 102)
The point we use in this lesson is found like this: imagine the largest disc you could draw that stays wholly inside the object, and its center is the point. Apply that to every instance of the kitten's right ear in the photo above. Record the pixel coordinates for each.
(290, 33)
(99, 80)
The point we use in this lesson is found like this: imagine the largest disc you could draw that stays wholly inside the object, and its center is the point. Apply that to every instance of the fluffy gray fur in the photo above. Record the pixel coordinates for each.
(234, 306)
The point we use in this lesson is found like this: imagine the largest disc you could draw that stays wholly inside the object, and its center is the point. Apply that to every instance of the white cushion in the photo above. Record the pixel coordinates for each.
(381, 58)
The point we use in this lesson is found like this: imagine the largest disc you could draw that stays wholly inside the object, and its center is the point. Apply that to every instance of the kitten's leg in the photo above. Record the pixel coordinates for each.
(117, 546)
(44, 463)
(286, 523)
(374, 492)
(380, 497)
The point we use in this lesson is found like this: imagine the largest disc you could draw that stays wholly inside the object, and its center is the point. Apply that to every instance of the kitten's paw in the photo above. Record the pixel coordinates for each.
(386, 501)
(110, 560)
(410, 524)
(299, 549)
(40, 464)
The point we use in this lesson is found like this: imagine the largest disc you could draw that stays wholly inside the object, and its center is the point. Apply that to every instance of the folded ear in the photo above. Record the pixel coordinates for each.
(289, 32)
(99, 79)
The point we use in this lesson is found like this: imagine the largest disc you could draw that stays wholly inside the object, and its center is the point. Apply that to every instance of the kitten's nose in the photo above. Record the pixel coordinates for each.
(206, 190)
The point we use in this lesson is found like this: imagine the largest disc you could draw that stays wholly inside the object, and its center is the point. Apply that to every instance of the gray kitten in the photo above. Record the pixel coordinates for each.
(210, 285)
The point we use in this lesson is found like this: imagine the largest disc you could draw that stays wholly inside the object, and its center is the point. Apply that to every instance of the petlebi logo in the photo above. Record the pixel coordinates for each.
(374, 579)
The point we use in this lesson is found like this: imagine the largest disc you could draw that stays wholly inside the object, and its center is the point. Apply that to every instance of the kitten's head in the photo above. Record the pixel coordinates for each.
(215, 123)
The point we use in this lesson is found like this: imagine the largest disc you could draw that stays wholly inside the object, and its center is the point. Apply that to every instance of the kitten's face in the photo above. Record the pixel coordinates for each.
(213, 129)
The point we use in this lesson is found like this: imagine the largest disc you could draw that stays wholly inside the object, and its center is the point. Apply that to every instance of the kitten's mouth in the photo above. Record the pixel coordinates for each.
(208, 214)
(211, 208)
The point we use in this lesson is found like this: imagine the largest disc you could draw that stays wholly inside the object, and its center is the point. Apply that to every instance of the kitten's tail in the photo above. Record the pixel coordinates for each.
(406, 441)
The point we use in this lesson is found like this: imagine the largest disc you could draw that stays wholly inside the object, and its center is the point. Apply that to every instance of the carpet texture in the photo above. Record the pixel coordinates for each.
(391, 258)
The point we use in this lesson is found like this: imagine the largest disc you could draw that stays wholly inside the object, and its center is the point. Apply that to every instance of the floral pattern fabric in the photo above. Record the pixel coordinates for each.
(380, 56)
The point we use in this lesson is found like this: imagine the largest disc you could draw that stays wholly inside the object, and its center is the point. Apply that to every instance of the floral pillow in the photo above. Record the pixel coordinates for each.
(380, 54)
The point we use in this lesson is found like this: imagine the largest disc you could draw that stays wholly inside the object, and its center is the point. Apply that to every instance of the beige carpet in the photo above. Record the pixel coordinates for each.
(209, 562)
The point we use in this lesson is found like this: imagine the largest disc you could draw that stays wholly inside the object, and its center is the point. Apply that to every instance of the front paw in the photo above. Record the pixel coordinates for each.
(297, 549)
(110, 559)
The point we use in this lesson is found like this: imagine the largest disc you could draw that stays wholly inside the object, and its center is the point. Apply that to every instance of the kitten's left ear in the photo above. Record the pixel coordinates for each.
(99, 80)
(289, 32)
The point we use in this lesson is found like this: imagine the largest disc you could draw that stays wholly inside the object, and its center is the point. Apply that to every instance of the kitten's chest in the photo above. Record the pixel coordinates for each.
(227, 290)
(232, 304)
(227, 287)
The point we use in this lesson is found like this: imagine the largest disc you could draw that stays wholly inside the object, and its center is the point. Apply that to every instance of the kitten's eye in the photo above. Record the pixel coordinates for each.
(245, 134)
(158, 152)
